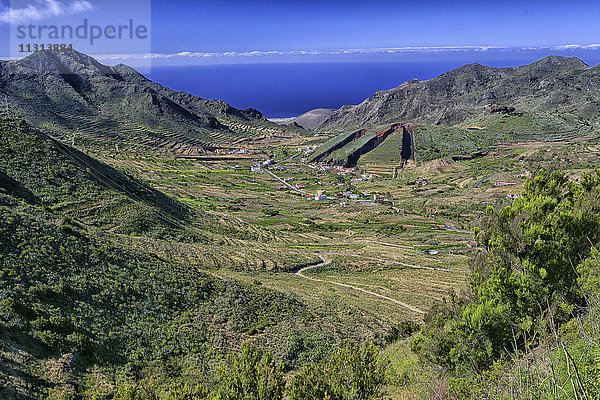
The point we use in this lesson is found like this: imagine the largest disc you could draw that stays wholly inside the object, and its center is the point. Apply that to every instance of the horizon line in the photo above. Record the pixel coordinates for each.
(381, 51)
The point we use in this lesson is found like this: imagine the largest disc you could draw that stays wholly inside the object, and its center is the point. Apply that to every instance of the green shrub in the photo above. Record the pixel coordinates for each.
(529, 265)
(353, 372)
(253, 375)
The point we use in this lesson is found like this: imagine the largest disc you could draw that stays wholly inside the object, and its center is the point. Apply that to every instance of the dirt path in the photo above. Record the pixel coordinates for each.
(396, 262)
(388, 244)
(325, 262)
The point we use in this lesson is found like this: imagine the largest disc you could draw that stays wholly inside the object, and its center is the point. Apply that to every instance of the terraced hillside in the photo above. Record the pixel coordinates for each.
(101, 275)
(347, 148)
(86, 103)
(45, 172)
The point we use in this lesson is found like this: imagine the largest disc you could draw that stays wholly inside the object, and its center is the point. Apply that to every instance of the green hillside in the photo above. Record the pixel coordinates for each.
(83, 304)
(78, 99)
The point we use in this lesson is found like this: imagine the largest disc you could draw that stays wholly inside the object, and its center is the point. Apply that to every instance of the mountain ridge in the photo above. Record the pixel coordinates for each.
(118, 105)
(547, 85)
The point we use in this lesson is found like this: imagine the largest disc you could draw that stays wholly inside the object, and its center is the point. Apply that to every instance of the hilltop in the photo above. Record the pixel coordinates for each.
(313, 118)
(553, 84)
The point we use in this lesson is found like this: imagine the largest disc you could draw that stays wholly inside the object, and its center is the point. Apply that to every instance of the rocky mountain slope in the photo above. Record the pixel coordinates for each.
(78, 99)
(553, 84)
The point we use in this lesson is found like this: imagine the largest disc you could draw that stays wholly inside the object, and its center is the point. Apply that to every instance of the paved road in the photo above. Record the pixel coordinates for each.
(480, 182)
(290, 158)
(325, 262)
(287, 184)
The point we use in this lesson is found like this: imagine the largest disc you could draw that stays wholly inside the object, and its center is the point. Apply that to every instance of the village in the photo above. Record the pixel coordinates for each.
(337, 183)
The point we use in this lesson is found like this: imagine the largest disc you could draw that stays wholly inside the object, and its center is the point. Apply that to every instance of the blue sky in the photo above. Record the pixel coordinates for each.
(329, 25)
(205, 32)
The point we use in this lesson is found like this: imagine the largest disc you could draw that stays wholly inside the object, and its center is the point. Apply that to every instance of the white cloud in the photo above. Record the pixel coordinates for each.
(189, 55)
(216, 57)
(43, 9)
(593, 46)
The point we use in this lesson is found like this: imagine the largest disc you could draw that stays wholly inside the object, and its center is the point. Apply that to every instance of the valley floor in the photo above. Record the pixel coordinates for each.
(412, 247)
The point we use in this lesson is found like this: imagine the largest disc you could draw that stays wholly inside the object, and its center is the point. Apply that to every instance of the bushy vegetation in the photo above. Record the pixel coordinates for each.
(534, 298)
(352, 372)
(83, 315)
(65, 293)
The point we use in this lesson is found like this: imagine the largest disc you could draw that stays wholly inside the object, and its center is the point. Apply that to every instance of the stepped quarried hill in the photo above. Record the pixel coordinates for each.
(347, 148)
(553, 84)
(75, 97)
(388, 147)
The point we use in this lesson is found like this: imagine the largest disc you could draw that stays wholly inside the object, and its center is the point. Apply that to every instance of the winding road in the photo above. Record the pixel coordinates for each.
(325, 262)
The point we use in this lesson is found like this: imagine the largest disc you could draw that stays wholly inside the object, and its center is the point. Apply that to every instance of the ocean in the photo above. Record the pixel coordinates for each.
(288, 90)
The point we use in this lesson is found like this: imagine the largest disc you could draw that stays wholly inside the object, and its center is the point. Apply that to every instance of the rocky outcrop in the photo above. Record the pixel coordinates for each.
(313, 118)
(500, 109)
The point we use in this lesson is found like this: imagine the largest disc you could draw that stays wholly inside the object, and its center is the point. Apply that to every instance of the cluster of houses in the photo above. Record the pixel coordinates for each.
(319, 168)
(324, 168)
(320, 194)
(522, 175)
(307, 149)
(423, 181)
(258, 166)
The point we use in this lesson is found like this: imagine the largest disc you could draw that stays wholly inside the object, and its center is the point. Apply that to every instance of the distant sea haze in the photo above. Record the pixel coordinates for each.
(289, 90)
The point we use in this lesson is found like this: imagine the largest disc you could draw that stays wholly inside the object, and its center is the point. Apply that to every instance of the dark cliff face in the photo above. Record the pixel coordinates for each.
(407, 151)
(375, 138)
(553, 84)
